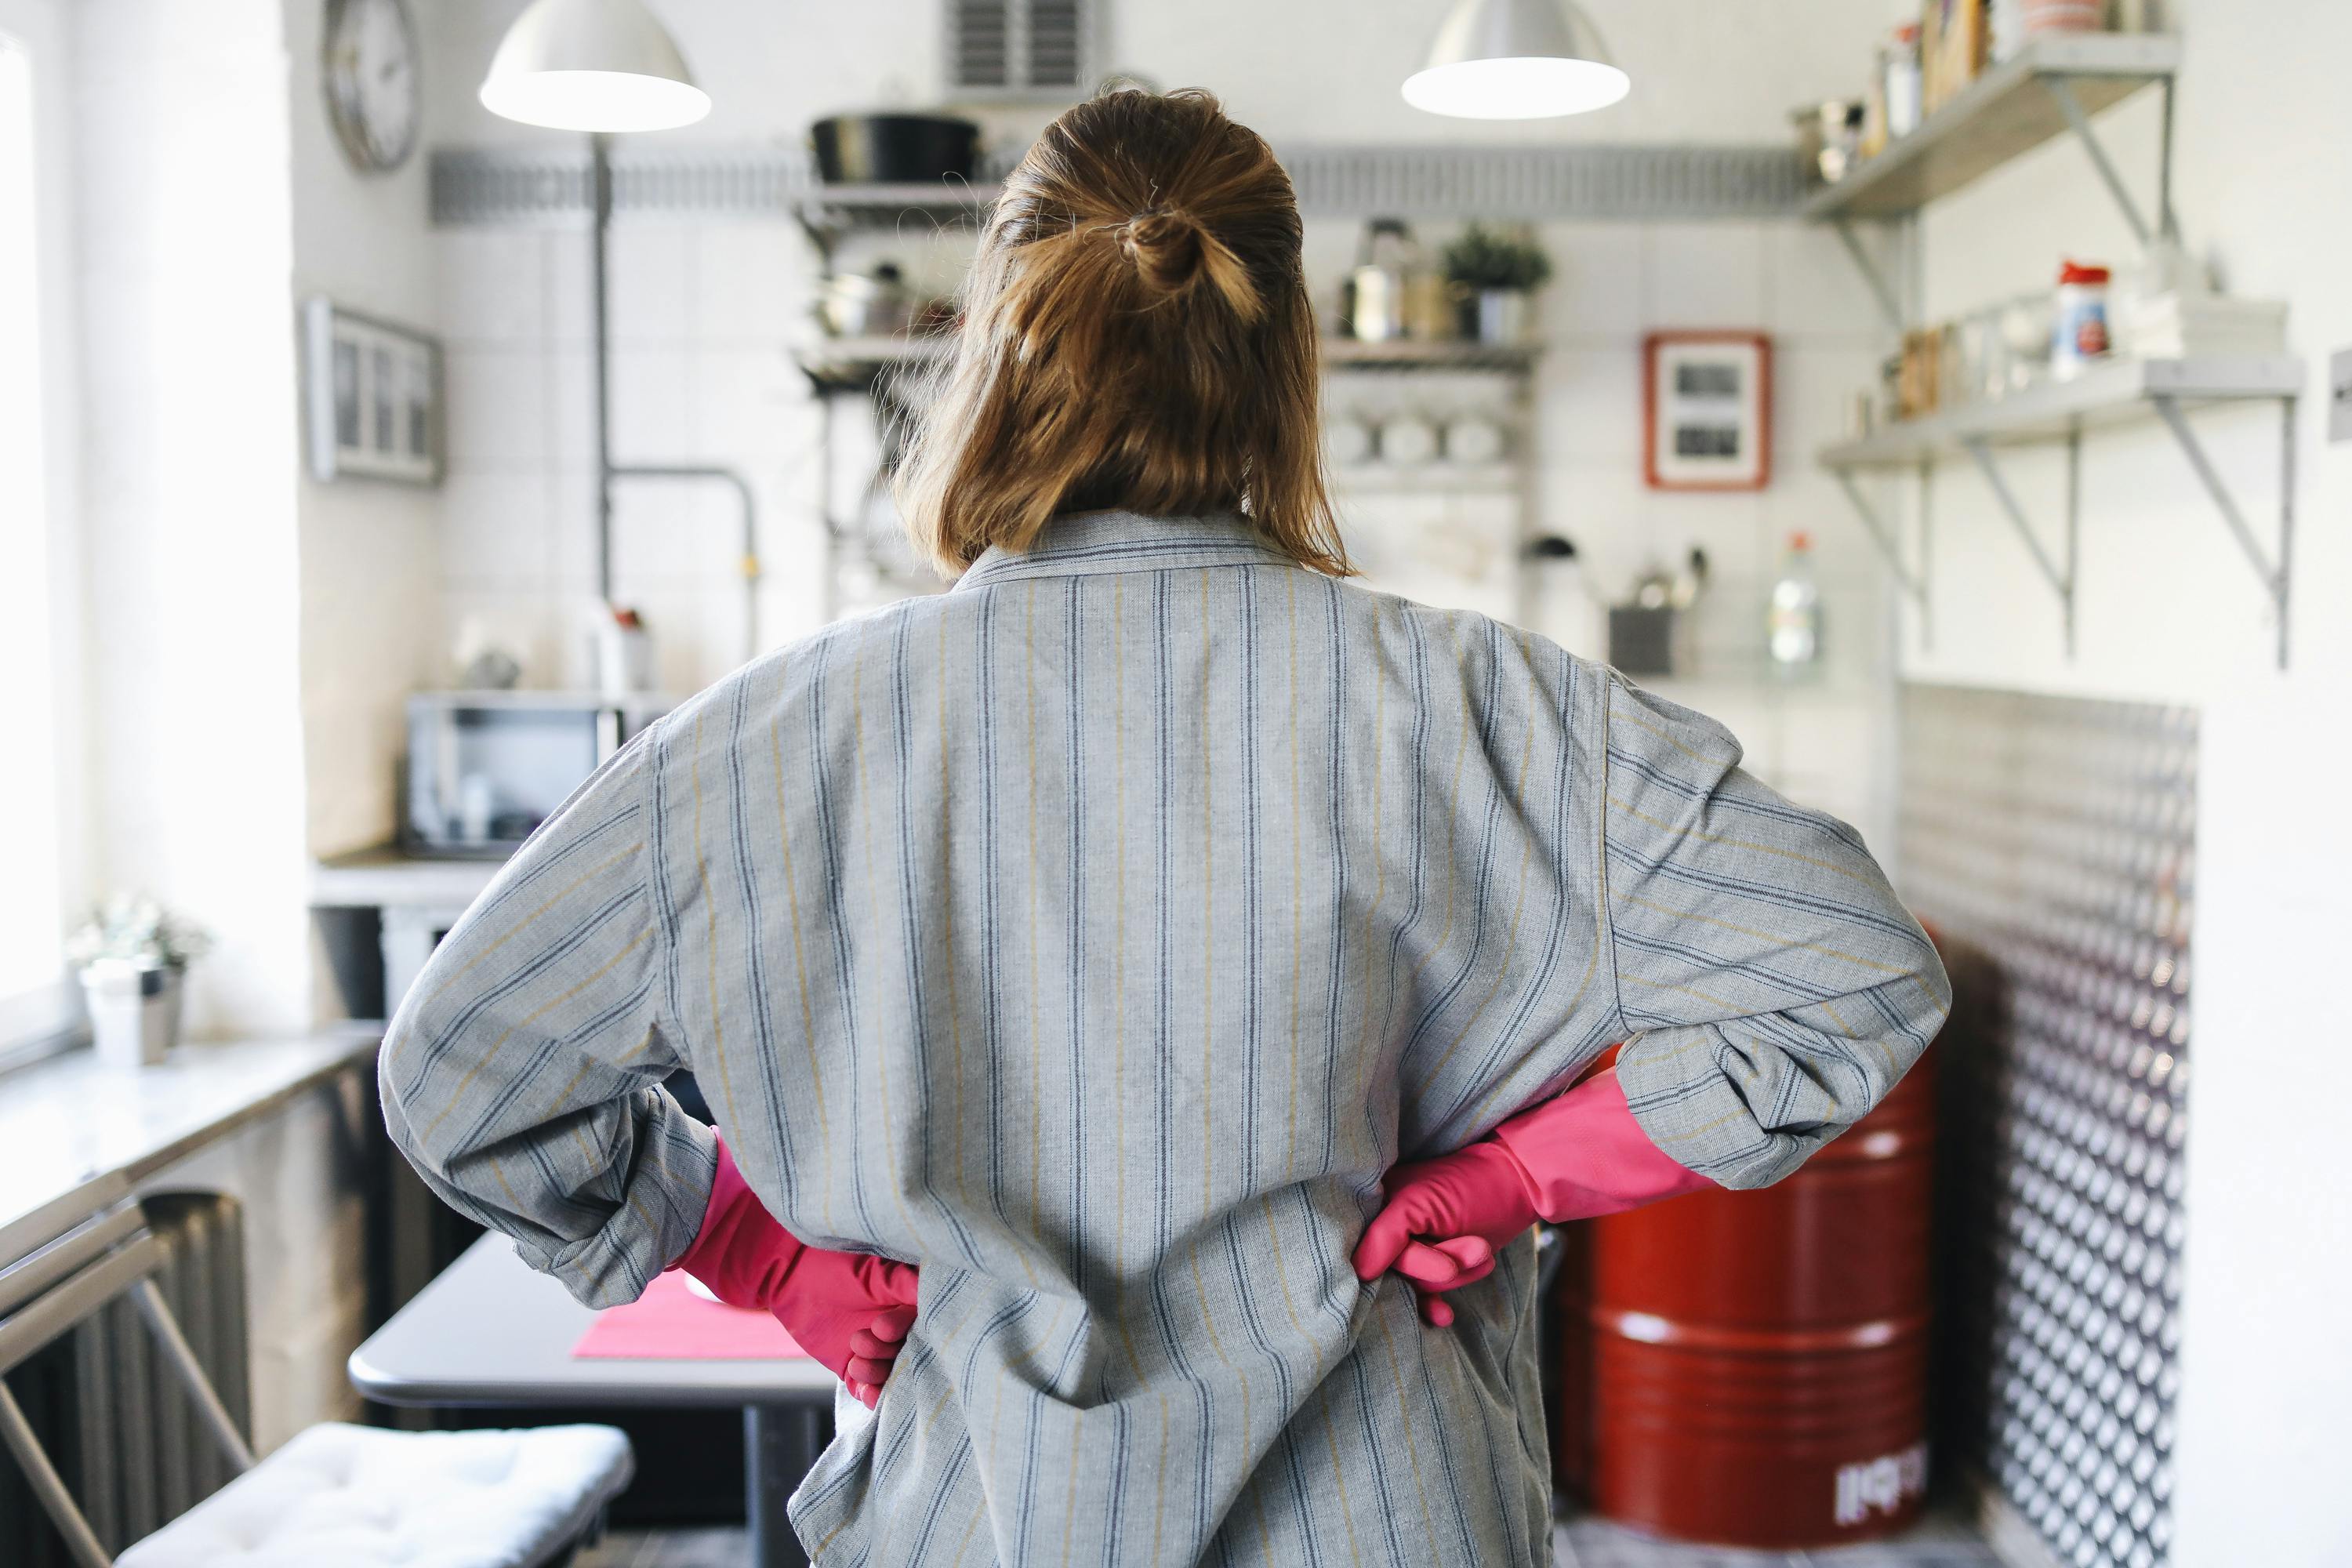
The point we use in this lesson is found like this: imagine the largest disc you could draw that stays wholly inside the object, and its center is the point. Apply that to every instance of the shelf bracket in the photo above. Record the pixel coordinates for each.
(1914, 585)
(2061, 581)
(1880, 290)
(2275, 578)
(2072, 107)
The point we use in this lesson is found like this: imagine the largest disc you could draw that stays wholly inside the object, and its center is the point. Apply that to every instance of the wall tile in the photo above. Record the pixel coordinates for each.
(493, 286)
(1597, 287)
(495, 530)
(751, 284)
(653, 281)
(498, 407)
(1589, 405)
(1814, 288)
(1704, 275)
(654, 403)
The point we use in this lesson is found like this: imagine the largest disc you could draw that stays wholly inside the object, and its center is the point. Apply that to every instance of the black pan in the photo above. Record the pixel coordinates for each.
(894, 149)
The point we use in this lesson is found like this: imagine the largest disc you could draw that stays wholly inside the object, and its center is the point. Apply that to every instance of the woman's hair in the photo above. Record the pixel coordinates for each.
(1137, 334)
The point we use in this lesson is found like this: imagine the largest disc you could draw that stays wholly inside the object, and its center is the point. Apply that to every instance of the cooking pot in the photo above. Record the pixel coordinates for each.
(894, 149)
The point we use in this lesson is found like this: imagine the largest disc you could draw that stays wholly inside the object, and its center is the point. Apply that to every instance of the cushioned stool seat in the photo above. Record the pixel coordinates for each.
(354, 1496)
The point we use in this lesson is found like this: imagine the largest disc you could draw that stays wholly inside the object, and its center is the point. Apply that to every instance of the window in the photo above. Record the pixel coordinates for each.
(38, 1007)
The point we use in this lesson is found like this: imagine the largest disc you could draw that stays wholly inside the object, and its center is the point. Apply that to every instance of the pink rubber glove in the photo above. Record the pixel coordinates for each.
(850, 1311)
(1576, 1156)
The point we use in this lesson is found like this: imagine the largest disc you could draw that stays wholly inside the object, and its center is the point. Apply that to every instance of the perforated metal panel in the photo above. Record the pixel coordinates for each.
(2052, 843)
(1583, 183)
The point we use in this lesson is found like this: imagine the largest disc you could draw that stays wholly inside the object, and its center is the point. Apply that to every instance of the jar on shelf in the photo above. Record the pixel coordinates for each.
(2080, 331)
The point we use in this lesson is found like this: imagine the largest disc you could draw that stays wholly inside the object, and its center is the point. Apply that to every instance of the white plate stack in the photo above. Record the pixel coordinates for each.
(2175, 325)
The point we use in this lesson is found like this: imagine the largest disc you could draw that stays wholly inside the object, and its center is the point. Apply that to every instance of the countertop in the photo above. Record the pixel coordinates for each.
(76, 1136)
(384, 876)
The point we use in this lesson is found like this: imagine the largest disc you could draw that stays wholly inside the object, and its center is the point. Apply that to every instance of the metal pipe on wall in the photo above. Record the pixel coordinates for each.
(600, 178)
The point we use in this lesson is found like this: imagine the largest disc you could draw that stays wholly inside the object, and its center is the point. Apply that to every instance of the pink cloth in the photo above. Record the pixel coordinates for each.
(670, 1322)
(1575, 1156)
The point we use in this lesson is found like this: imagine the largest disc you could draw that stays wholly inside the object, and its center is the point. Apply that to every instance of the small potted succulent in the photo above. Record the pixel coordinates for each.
(1493, 277)
(133, 955)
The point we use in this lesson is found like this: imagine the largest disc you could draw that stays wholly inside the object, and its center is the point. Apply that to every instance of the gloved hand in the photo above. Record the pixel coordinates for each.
(1575, 1156)
(850, 1311)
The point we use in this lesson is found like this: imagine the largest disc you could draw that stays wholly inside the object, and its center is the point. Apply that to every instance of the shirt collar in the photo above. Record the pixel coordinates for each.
(1089, 542)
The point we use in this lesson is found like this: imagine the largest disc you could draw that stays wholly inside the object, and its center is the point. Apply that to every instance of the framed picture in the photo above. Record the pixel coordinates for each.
(1706, 422)
(372, 397)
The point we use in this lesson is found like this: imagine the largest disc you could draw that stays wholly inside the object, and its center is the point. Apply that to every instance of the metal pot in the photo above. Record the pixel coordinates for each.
(894, 149)
(857, 304)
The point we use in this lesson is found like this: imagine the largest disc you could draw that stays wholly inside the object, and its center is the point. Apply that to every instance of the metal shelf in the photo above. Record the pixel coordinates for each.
(851, 364)
(1407, 353)
(841, 209)
(2011, 108)
(2115, 392)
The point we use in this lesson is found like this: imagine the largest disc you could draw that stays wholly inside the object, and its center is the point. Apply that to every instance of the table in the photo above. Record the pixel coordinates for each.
(493, 1331)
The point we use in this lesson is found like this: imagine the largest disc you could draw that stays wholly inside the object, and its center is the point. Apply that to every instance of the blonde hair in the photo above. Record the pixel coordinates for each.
(1137, 334)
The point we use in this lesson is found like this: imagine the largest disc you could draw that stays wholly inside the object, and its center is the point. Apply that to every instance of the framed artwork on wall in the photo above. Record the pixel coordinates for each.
(372, 397)
(1706, 411)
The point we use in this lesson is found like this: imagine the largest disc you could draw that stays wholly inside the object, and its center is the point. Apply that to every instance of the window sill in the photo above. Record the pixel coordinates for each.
(75, 1134)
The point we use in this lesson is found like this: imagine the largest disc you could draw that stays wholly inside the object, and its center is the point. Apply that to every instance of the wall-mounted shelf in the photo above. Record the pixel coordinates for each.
(2108, 393)
(2115, 392)
(829, 211)
(2013, 107)
(851, 364)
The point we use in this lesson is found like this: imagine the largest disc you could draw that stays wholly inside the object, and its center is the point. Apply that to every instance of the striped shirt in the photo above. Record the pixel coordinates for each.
(1094, 936)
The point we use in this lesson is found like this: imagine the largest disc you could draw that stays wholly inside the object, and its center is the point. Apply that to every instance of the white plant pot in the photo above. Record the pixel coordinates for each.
(134, 1013)
(1506, 316)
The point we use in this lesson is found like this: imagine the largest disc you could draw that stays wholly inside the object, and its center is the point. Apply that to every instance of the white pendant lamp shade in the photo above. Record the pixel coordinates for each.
(1516, 60)
(592, 65)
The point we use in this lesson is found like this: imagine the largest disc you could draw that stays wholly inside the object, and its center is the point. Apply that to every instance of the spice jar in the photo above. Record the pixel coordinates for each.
(2080, 331)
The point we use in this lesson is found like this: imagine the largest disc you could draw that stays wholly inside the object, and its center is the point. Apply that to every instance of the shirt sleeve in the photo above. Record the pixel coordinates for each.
(522, 1074)
(1773, 987)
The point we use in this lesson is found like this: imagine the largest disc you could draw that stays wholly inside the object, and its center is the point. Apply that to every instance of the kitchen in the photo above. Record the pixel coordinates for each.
(1931, 395)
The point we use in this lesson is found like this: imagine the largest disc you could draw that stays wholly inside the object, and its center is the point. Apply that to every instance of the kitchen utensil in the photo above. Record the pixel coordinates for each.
(1347, 439)
(1472, 438)
(863, 304)
(1407, 440)
(1381, 290)
(894, 149)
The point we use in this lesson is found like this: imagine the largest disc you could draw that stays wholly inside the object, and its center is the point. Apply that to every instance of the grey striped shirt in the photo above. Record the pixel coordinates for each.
(1094, 936)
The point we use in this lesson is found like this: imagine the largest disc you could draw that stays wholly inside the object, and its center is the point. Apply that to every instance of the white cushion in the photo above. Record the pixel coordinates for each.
(357, 1496)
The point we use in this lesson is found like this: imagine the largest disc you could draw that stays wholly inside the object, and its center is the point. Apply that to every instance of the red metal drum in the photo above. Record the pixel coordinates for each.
(1750, 1369)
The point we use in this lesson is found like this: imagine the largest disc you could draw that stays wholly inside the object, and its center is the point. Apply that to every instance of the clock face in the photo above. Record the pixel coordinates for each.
(371, 80)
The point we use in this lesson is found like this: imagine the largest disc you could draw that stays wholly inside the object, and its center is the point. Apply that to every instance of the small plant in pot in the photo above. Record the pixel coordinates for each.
(133, 955)
(1493, 277)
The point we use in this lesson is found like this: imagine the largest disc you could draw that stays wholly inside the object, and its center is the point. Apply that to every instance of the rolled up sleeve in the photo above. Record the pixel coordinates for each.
(522, 1074)
(1773, 987)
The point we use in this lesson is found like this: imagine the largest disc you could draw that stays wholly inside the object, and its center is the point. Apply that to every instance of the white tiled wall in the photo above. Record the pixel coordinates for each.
(705, 314)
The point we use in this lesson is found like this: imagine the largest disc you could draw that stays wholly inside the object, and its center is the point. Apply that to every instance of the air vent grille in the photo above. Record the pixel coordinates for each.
(1020, 49)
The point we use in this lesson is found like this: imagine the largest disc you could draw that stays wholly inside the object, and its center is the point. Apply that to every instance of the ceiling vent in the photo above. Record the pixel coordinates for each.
(1020, 49)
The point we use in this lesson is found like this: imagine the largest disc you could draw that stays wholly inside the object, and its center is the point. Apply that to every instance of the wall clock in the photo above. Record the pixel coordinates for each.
(369, 61)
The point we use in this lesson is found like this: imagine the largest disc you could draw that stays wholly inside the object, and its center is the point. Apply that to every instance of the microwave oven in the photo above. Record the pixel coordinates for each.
(486, 768)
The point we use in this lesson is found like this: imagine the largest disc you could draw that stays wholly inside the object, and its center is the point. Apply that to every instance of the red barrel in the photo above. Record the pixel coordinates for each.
(1750, 1369)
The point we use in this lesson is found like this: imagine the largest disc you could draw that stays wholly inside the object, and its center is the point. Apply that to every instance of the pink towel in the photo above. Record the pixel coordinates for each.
(670, 1322)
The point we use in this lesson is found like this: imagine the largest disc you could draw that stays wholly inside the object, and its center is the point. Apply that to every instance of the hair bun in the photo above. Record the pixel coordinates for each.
(1173, 251)
(1165, 247)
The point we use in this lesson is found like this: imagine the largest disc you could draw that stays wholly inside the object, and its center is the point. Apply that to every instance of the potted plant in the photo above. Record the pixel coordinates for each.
(133, 955)
(1493, 277)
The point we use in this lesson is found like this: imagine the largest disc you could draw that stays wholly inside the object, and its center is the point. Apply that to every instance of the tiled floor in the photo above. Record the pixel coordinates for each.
(1582, 1543)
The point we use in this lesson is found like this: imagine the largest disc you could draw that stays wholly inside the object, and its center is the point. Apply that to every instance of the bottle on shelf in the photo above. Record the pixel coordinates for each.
(1562, 605)
(1792, 616)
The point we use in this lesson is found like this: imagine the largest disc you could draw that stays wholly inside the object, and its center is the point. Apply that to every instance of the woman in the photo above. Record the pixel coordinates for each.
(1096, 938)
